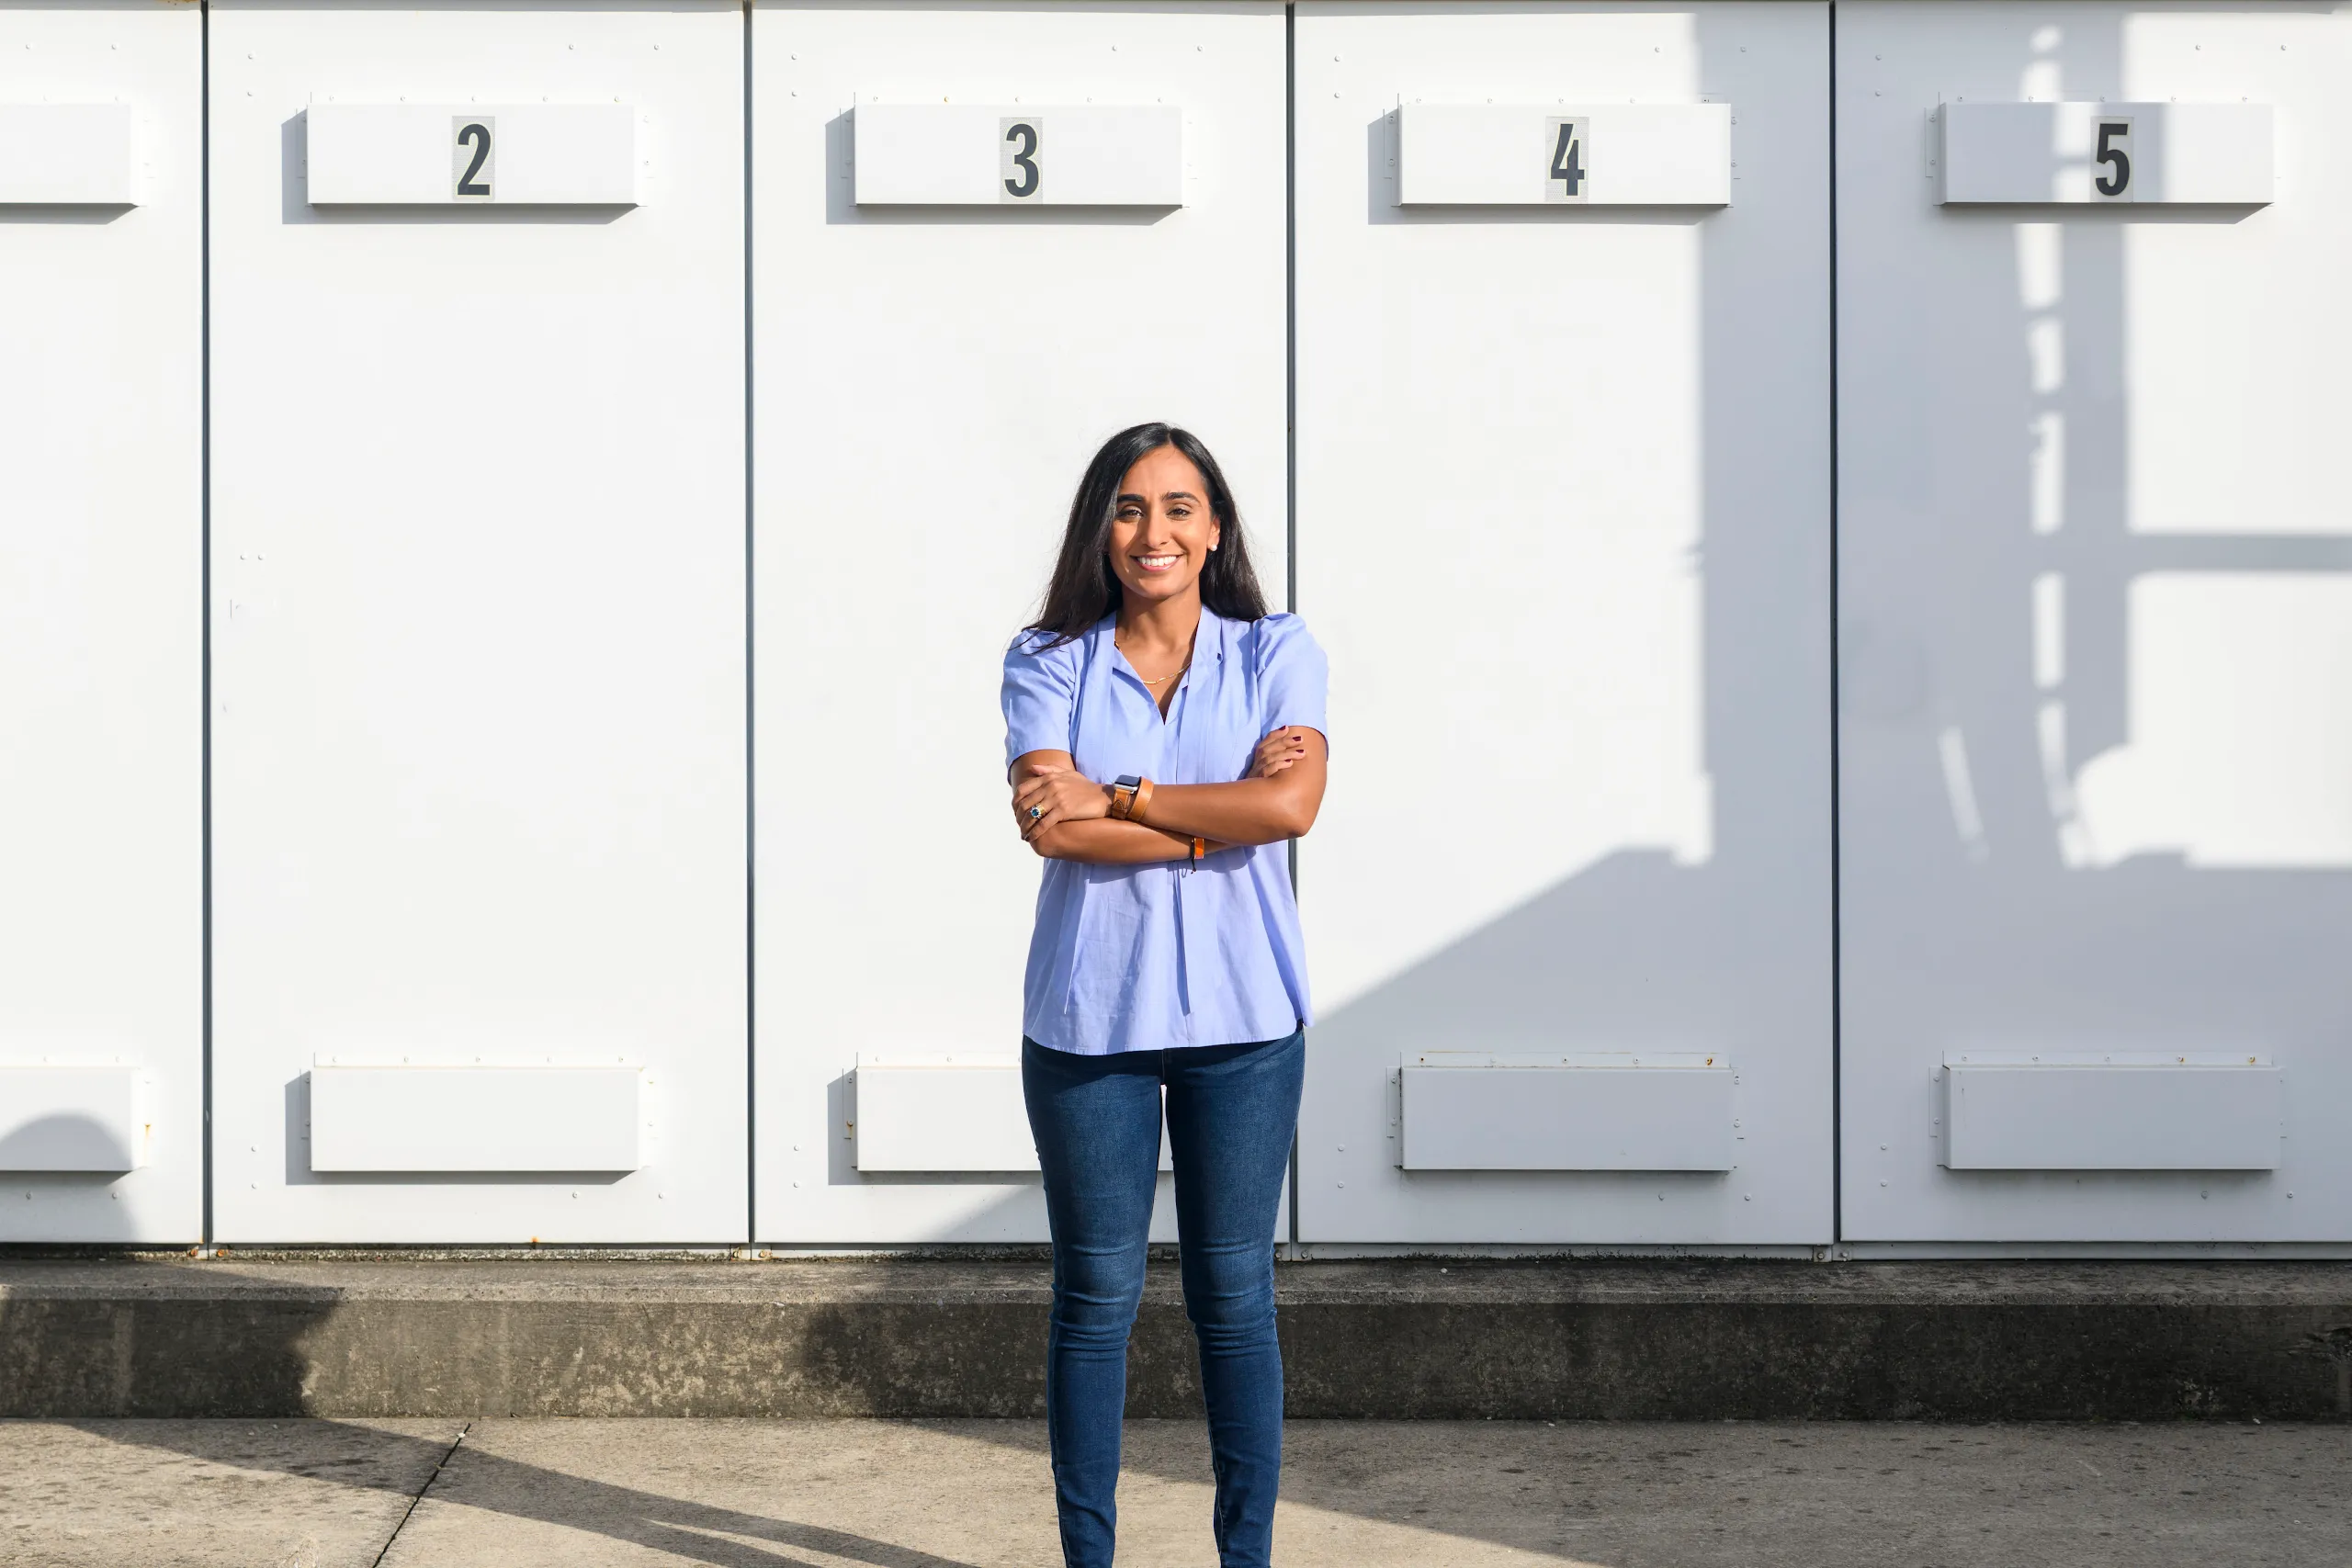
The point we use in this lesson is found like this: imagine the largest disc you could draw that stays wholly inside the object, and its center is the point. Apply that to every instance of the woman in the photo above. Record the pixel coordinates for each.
(1165, 736)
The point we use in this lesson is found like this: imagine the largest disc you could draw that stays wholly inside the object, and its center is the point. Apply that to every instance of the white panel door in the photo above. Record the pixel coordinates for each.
(478, 607)
(929, 383)
(2095, 629)
(1564, 526)
(101, 611)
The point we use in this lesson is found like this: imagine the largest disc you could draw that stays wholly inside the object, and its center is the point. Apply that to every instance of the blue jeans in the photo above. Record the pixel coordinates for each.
(1232, 1112)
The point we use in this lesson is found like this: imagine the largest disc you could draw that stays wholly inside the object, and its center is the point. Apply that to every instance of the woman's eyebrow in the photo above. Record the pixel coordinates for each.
(1181, 495)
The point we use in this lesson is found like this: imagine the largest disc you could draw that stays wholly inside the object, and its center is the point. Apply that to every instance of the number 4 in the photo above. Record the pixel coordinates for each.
(1569, 170)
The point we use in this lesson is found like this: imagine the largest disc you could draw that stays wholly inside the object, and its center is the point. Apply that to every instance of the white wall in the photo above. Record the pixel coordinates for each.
(489, 602)
(101, 606)
(1564, 526)
(478, 672)
(2097, 618)
(931, 382)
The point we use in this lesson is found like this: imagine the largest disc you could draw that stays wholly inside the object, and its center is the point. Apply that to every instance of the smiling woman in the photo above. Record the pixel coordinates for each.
(1165, 737)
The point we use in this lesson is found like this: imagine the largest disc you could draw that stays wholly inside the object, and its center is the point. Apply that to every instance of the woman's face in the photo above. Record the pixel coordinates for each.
(1162, 531)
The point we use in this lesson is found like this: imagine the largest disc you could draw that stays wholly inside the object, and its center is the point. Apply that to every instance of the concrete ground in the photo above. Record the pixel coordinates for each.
(850, 1494)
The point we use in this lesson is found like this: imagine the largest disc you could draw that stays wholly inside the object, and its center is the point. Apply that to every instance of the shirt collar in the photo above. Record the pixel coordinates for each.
(1208, 638)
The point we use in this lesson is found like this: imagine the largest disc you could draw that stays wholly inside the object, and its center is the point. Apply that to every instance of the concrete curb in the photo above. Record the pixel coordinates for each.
(1399, 1339)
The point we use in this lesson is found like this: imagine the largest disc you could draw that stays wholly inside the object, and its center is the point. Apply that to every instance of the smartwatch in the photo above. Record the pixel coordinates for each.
(1123, 795)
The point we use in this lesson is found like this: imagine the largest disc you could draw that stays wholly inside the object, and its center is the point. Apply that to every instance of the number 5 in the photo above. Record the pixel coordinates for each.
(2115, 154)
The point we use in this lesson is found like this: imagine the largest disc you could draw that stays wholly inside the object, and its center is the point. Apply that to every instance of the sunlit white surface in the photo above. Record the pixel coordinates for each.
(2239, 401)
(954, 154)
(1493, 427)
(1563, 526)
(472, 1119)
(545, 154)
(931, 383)
(1647, 154)
(82, 155)
(2241, 723)
(101, 612)
(478, 752)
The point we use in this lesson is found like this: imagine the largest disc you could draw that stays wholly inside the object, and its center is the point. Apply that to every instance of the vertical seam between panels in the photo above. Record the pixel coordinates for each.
(1290, 410)
(1836, 947)
(1290, 302)
(750, 675)
(204, 590)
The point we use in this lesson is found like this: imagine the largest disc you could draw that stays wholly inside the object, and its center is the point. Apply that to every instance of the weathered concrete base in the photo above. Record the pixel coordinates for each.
(844, 1493)
(1405, 1339)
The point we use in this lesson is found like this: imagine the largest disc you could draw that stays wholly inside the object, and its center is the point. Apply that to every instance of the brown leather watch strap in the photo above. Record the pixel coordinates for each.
(1141, 803)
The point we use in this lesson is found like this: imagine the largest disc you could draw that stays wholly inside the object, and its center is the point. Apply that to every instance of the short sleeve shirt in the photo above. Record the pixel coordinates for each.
(1149, 957)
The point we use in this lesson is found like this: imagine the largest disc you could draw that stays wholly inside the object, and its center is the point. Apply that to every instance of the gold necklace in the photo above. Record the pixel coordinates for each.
(1139, 674)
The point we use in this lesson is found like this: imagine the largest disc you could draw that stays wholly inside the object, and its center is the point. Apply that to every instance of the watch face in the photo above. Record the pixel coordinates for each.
(1129, 781)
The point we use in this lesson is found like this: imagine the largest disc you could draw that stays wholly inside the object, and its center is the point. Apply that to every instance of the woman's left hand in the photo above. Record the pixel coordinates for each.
(1283, 749)
(1054, 794)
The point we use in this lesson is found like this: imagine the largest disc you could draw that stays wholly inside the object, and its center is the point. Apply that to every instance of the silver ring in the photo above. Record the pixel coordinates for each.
(1035, 812)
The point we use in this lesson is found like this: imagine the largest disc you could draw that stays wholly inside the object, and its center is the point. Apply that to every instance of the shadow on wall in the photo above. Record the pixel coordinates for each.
(2089, 748)
(1689, 909)
(43, 212)
(65, 1143)
(2082, 737)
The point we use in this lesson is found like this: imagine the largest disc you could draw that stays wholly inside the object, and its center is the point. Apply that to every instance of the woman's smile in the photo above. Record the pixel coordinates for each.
(1162, 530)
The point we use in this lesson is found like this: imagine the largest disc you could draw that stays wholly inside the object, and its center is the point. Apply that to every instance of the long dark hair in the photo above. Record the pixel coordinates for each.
(1084, 589)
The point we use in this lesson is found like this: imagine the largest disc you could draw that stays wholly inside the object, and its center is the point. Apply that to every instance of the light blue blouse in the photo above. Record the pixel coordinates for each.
(1144, 957)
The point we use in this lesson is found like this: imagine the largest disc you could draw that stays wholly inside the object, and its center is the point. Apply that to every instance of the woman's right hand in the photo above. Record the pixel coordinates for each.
(1050, 793)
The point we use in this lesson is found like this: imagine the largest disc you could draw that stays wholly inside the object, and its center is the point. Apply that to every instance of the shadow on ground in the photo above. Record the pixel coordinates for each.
(684, 1529)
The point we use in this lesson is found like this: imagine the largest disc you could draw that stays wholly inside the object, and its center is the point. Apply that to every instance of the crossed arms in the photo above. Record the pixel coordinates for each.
(1277, 800)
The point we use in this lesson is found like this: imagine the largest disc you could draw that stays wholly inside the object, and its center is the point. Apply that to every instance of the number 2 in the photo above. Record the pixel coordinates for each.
(473, 177)
(1022, 138)
(2114, 151)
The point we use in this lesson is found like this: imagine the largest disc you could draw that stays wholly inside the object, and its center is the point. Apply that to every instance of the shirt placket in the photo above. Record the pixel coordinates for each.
(1180, 873)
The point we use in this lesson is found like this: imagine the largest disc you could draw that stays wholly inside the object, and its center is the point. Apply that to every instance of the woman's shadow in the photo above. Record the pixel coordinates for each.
(369, 1458)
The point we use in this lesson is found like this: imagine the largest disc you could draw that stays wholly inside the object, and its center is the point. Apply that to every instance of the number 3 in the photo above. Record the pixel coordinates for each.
(1022, 138)
(2114, 152)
